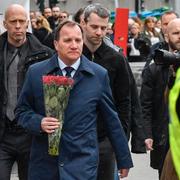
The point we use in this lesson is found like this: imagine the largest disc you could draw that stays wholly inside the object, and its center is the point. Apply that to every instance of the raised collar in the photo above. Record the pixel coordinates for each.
(84, 67)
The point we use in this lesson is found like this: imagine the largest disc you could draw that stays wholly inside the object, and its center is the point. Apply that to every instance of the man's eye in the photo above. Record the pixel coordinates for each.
(103, 28)
(18, 21)
(94, 27)
(67, 40)
(78, 40)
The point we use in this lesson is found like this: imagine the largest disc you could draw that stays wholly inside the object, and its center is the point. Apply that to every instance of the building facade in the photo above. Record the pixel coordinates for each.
(73, 5)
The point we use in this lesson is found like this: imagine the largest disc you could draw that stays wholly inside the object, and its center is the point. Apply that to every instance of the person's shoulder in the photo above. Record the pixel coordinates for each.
(40, 66)
(94, 66)
(111, 54)
(152, 70)
(36, 45)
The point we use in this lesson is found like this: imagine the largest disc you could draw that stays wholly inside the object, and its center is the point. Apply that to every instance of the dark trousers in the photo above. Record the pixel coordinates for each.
(106, 161)
(14, 147)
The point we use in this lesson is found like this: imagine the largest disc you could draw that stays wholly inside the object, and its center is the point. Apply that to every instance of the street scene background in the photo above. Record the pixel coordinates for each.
(142, 169)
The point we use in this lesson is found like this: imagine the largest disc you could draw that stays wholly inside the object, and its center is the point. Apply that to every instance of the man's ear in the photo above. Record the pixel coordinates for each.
(56, 45)
(5, 25)
(82, 23)
(27, 24)
(166, 37)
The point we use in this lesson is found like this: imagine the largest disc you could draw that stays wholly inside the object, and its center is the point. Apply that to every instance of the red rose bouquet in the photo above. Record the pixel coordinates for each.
(56, 95)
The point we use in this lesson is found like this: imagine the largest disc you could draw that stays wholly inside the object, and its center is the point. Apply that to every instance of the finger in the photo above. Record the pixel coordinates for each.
(149, 147)
(123, 173)
(52, 127)
(46, 127)
(52, 124)
(50, 131)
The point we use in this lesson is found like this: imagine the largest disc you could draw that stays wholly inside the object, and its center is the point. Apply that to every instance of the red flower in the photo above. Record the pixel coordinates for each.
(57, 80)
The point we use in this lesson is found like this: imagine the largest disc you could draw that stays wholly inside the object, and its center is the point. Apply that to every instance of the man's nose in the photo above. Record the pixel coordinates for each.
(18, 24)
(99, 31)
(74, 44)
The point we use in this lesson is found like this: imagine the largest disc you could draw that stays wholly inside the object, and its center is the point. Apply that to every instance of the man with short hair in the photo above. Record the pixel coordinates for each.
(63, 16)
(171, 168)
(154, 105)
(47, 12)
(91, 94)
(54, 19)
(165, 19)
(94, 25)
(18, 49)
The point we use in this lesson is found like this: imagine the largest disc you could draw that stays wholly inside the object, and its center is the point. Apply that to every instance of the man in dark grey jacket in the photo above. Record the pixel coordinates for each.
(18, 49)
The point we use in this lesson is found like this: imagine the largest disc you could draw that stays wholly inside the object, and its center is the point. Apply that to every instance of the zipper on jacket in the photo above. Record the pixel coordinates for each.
(92, 57)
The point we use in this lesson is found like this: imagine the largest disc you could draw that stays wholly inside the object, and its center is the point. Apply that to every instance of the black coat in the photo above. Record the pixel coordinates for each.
(134, 122)
(155, 112)
(34, 53)
(114, 62)
(45, 37)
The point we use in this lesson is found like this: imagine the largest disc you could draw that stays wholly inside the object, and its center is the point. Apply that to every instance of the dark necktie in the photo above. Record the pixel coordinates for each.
(68, 70)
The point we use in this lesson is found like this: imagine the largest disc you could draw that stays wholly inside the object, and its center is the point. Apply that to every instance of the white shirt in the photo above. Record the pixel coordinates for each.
(75, 66)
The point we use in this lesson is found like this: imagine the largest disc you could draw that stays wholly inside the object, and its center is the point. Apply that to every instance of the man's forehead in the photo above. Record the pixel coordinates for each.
(47, 10)
(68, 29)
(56, 9)
(169, 17)
(173, 27)
(17, 17)
(92, 19)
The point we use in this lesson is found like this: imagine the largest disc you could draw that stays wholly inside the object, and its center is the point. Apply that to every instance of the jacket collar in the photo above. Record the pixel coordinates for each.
(98, 53)
(33, 42)
(84, 67)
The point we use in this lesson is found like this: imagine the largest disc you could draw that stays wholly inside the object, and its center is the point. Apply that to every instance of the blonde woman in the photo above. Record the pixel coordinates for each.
(43, 32)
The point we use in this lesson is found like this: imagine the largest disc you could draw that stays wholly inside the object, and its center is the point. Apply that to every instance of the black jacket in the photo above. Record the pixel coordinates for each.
(114, 62)
(34, 53)
(45, 37)
(155, 112)
(136, 120)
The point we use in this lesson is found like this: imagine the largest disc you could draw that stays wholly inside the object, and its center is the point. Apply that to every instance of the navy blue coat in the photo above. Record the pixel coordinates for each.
(78, 158)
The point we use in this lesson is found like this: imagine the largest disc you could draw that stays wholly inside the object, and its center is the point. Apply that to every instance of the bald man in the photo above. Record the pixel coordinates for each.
(18, 49)
(155, 80)
(165, 19)
(172, 35)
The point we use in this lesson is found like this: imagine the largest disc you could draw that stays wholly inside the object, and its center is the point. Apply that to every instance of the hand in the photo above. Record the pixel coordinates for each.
(123, 173)
(49, 124)
(149, 144)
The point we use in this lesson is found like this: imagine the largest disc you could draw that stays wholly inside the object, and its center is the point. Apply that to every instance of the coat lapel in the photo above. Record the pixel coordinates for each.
(53, 67)
(83, 70)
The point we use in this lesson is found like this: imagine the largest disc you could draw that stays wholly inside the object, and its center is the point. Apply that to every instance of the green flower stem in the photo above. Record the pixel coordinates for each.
(56, 100)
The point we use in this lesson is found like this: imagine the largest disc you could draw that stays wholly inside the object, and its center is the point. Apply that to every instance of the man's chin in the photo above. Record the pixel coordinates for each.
(96, 43)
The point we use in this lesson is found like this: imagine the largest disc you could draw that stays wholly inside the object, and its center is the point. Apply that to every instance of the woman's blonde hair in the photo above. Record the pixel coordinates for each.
(42, 22)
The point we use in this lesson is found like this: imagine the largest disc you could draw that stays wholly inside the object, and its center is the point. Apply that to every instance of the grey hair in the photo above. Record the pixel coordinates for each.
(97, 9)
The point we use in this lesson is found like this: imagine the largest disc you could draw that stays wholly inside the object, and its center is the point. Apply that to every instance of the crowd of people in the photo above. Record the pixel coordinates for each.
(105, 109)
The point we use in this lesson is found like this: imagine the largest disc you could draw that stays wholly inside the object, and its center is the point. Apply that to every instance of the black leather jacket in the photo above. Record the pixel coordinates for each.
(34, 53)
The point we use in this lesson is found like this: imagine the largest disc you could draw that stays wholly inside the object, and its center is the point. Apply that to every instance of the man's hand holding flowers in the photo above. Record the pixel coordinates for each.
(49, 124)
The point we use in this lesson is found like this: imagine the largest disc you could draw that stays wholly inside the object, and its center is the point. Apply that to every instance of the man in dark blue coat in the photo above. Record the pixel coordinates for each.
(78, 158)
